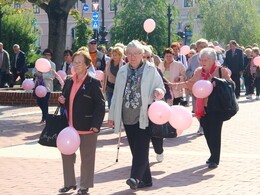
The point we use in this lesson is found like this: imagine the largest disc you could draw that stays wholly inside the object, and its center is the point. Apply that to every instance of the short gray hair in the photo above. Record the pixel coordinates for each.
(209, 53)
(16, 46)
(135, 44)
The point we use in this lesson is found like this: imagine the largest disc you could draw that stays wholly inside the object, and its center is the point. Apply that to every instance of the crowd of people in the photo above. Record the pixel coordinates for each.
(135, 77)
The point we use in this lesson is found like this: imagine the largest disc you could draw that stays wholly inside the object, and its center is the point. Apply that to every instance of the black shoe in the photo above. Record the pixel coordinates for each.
(83, 191)
(132, 183)
(212, 165)
(66, 189)
(208, 161)
(144, 185)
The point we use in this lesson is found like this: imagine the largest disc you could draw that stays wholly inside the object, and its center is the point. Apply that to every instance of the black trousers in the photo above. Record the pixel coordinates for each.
(43, 103)
(157, 145)
(139, 142)
(257, 85)
(236, 79)
(212, 127)
(21, 74)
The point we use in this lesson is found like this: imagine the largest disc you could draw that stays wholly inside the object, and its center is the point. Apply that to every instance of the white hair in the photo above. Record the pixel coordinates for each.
(135, 44)
(209, 53)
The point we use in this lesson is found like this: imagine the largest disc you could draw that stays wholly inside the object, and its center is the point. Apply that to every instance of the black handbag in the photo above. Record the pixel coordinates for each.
(161, 131)
(54, 125)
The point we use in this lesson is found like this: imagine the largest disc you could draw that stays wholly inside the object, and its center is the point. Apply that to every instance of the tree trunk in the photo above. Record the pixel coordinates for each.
(57, 35)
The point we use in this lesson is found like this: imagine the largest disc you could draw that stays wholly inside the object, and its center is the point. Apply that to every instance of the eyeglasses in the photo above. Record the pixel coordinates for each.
(133, 54)
(148, 57)
(93, 43)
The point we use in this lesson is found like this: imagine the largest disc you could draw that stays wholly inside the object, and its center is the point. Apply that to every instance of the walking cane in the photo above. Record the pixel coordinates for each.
(118, 144)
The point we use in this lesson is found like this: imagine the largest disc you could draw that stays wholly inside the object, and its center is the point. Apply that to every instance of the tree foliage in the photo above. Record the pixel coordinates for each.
(128, 23)
(83, 31)
(227, 20)
(18, 28)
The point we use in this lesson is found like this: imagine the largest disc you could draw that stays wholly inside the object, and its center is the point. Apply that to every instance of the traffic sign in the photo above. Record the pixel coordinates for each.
(95, 6)
(95, 24)
(95, 16)
(85, 7)
(35, 23)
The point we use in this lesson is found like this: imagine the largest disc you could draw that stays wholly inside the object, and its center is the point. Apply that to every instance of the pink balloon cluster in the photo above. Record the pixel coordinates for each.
(185, 50)
(41, 91)
(28, 84)
(100, 75)
(202, 88)
(149, 25)
(179, 117)
(43, 65)
(256, 61)
(68, 141)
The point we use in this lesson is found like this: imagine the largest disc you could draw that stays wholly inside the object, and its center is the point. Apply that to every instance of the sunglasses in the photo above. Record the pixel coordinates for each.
(93, 43)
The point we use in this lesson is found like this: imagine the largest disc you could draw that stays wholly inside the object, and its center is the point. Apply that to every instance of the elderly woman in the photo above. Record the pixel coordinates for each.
(111, 70)
(138, 83)
(211, 123)
(177, 56)
(85, 105)
(173, 71)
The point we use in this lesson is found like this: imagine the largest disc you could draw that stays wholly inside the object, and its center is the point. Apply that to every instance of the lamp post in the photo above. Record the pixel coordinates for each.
(1, 16)
(169, 24)
(103, 32)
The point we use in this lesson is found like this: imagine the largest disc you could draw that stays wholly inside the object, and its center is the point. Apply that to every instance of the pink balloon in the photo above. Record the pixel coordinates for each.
(43, 65)
(62, 74)
(28, 84)
(68, 141)
(159, 112)
(149, 25)
(256, 61)
(100, 75)
(229, 71)
(202, 88)
(72, 70)
(185, 50)
(180, 118)
(217, 48)
(41, 91)
(179, 132)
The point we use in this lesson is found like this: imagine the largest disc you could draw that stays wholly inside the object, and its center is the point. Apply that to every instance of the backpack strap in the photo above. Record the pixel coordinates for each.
(220, 72)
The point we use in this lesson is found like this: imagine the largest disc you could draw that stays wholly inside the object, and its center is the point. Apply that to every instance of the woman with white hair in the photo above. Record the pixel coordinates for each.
(211, 123)
(137, 85)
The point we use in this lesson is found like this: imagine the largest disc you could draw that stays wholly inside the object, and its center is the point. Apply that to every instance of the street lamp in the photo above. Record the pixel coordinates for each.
(103, 32)
(169, 24)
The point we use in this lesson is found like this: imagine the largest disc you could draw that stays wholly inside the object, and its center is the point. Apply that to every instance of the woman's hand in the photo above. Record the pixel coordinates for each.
(94, 129)
(61, 99)
(37, 74)
(111, 124)
(158, 94)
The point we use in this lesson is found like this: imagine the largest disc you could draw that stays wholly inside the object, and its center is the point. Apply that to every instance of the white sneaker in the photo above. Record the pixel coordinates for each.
(159, 157)
(257, 98)
(249, 97)
(200, 131)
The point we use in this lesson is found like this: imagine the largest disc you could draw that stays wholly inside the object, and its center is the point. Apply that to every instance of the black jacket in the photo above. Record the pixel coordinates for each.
(234, 63)
(89, 104)
(21, 64)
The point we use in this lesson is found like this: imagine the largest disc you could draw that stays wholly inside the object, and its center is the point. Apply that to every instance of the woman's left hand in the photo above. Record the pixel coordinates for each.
(94, 129)
(158, 94)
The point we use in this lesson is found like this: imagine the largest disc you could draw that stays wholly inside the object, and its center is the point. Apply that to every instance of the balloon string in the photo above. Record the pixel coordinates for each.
(147, 39)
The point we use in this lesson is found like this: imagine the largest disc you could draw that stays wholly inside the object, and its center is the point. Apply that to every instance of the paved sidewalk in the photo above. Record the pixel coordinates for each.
(28, 168)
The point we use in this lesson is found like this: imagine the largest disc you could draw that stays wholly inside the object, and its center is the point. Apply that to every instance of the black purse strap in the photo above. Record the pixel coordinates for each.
(220, 72)
(57, 110)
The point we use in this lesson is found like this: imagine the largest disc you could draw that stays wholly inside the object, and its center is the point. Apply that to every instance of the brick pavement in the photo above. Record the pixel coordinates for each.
(30, 169)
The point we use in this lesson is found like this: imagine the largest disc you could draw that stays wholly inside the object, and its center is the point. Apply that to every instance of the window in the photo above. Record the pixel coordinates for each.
(95, 5)
(36, 9)
(188, 3)
(111, 6)
(76, 5)
(17, 5)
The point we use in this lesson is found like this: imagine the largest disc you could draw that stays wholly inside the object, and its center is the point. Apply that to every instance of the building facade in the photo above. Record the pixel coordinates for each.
(89, 7)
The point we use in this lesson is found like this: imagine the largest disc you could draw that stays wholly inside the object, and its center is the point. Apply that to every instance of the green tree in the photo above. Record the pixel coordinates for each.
(128, 23)
(83, 32)
(18, 28)
(226, 20)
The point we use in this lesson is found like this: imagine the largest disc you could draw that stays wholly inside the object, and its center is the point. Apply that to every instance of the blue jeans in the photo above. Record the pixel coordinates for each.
(109, 98)
(43, 103)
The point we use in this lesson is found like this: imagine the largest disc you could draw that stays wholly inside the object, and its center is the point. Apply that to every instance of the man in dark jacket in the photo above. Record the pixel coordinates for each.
(19, 65)
(235, 62)
(4, 65)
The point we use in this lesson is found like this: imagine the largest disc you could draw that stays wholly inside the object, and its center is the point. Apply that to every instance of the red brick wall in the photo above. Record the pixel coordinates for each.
(8, 97)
